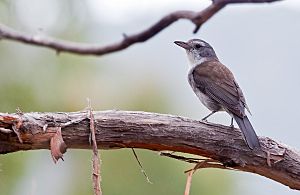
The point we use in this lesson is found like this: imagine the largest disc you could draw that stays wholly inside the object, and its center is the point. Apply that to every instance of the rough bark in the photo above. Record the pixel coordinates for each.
(159, 132)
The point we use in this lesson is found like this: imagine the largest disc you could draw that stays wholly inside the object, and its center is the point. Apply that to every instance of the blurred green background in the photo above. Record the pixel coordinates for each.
(259, 43)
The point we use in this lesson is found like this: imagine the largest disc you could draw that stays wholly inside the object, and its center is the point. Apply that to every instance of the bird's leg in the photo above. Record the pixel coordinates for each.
(231, 124)
(205, 118)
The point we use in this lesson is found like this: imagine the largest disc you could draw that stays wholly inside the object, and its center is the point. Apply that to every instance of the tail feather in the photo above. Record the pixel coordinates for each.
(247, 131)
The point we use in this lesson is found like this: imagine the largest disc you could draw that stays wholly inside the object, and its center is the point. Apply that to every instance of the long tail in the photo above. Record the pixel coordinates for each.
(248, 131)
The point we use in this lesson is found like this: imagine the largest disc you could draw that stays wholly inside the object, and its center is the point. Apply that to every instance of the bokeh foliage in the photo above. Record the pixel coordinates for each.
(37, 79)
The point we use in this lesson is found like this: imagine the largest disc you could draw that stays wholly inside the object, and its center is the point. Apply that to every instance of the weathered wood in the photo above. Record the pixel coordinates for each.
(126, 129)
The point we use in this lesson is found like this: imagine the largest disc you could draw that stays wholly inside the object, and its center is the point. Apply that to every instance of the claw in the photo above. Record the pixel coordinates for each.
(231, 124)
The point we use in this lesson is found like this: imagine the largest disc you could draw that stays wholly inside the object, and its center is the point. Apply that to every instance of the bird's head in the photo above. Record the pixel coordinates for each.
(198, 51)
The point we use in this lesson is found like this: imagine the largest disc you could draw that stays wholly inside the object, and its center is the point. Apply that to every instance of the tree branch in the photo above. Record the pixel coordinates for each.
(198, 18)
(159, 132)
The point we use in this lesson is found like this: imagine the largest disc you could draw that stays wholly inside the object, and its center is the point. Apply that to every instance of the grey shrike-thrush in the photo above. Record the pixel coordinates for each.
(215, 86)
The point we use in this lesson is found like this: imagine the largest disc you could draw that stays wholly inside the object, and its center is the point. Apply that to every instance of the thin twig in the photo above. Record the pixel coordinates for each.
(190, 175)
(205, 162)
(198, 18)
(188, 182)
(96, 157)
(141, 166)
(182, 158)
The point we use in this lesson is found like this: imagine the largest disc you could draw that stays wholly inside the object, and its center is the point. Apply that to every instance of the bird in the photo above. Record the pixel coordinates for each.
(216, 87)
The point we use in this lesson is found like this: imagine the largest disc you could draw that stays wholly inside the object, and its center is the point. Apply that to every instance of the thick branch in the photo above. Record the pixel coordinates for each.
(125, 129)
(198, 18)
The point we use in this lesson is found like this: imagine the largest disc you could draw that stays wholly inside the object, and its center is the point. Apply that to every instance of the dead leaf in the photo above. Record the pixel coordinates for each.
(57, 146)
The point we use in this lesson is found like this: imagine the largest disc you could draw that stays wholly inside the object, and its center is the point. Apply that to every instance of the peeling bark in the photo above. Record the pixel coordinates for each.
(126, 129)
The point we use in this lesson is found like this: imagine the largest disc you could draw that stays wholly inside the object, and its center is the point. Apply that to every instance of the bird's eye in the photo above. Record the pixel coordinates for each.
(197, 46)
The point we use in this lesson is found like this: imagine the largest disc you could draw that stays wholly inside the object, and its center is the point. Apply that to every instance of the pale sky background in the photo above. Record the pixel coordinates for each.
(258, 42)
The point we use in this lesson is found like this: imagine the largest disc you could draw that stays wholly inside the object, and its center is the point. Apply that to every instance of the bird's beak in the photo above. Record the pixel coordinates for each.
(183, 44)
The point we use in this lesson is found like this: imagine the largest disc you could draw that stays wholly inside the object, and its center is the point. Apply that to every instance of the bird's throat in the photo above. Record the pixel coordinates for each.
(197, 61)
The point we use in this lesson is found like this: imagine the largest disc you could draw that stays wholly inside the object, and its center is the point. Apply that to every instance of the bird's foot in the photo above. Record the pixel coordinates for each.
(231, 124)
(204, 120)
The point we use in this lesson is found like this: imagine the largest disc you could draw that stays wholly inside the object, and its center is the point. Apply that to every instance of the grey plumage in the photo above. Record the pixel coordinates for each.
(247, 131)
(215, 86)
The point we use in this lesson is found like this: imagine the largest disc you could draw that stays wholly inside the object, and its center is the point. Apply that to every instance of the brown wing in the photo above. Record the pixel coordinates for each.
(217, 82)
